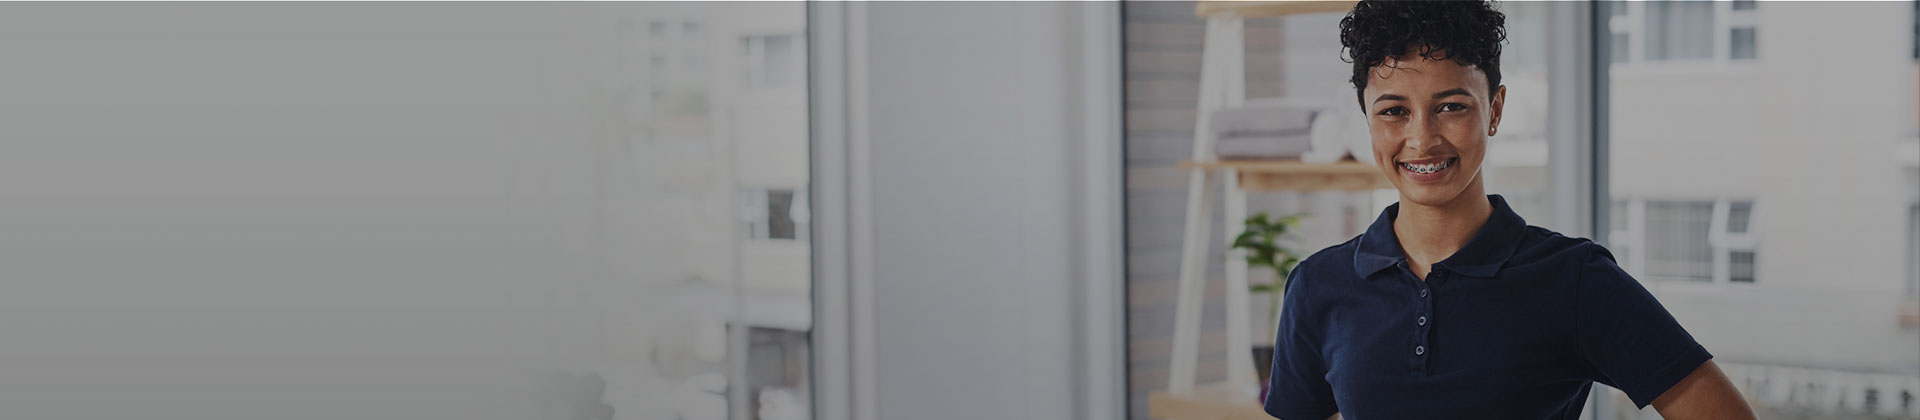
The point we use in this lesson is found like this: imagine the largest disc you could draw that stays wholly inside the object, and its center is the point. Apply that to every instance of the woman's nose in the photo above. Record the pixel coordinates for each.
(1423, 133)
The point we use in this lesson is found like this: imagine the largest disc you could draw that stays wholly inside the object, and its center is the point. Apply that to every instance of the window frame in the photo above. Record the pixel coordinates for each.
(1632, 24)
(1629, 243)
(755, 214)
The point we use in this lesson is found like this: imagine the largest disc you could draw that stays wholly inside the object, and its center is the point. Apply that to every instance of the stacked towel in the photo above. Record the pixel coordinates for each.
(1262, 129)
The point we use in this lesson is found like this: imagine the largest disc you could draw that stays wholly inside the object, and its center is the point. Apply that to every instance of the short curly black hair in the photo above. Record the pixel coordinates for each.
(1467, 32)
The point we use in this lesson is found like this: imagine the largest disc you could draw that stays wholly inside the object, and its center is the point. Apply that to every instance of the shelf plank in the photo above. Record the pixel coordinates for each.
(1269, 8)
(1293, 175)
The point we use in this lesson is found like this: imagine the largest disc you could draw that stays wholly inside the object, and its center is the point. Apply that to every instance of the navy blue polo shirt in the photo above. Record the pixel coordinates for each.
(1519, 324)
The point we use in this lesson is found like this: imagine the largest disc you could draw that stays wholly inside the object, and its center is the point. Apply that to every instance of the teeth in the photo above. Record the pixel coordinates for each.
(1428, 168)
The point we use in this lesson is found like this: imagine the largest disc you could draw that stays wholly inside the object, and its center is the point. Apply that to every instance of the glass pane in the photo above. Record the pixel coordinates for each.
(400, 211)
(1676, 244)
(1678, 30)
(1738, 215)
(707, 311)
(1829, 317)
(780, 214)
(1743, 48)
(1740, 266)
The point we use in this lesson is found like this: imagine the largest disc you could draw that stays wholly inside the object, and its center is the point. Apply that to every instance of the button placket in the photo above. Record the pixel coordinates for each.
(1422, 323)
(1422, 307)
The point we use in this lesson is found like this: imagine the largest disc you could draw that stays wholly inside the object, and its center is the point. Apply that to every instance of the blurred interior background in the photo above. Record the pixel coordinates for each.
(883, 210)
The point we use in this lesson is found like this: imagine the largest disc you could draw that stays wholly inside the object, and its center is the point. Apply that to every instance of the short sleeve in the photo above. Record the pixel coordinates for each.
(1625, 336)
(1297, 389)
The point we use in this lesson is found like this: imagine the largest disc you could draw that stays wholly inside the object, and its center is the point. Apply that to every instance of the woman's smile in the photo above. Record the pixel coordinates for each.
(1428, 170)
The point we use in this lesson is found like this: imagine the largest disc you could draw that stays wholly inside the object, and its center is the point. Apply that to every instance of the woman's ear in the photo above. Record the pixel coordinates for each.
(1499, 104)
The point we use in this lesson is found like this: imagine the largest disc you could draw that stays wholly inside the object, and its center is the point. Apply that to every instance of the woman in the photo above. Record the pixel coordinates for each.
(1450, 305)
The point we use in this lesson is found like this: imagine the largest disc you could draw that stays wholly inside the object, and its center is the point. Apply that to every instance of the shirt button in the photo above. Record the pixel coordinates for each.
(1423, 293)
(1419, 350)
(1421, 321)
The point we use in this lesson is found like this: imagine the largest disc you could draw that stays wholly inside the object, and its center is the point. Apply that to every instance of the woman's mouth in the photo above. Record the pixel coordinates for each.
(1428, 170)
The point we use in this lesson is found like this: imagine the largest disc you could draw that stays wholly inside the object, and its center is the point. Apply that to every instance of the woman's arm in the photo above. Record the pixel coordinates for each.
(1704, 394)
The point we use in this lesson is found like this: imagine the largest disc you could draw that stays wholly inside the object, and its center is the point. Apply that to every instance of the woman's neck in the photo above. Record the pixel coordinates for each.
(1431, 233)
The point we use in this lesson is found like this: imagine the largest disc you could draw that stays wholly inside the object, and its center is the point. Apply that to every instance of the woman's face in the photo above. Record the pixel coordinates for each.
(1430, 121)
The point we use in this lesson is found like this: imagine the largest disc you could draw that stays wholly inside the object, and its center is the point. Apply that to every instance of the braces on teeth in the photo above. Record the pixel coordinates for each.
(1428, 168)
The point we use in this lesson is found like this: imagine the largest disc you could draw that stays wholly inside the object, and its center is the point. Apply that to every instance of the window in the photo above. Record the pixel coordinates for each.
(1676, 242)
(773, 214)
(1740, 267)
(1743, 40)
(1679, 30)
(707, 200)
(770, 61)
(1683, 30)
(1738, 214)
(1704, 241)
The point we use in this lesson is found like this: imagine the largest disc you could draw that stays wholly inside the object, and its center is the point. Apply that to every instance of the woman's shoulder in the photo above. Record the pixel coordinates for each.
(1542, 245)
(1326, 264)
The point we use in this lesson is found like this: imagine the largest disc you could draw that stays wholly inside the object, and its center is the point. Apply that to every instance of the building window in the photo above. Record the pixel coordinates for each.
(770, 61)
(1676, 242)
(657, 29)
(1704, 241)
(1684, 30)
(773, 214)
(1743, 40)
(1740, 267)
(692, 30)
(1739, 213)
(1679, 30)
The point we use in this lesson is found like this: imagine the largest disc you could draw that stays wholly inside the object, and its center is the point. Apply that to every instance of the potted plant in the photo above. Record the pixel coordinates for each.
(1263, 241)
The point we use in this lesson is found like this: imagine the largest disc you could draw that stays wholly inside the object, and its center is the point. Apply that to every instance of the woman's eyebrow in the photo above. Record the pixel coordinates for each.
(1389, 97)
(1451, 92)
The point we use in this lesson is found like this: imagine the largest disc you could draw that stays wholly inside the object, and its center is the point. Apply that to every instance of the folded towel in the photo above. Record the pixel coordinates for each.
(1262, 129)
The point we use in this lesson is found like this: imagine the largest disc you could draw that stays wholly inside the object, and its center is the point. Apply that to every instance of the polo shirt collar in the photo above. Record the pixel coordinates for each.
(1482, 257)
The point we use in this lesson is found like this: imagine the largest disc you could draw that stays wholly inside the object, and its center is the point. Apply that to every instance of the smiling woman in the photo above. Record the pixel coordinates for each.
(1450, 305)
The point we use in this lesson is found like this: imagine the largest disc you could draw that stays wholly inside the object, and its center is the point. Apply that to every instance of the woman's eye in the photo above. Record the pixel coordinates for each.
(1394, 111)
(1448, 107)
